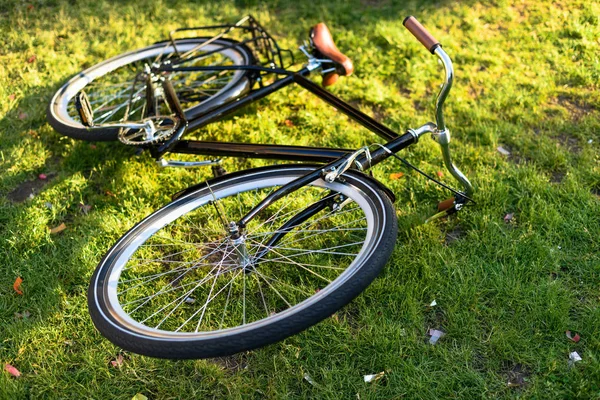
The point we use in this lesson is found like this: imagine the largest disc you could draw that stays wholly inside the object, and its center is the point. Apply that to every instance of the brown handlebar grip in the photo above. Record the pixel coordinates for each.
(421, 33)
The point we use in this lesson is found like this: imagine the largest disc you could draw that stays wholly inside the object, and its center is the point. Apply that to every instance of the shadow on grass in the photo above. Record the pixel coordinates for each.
(60, 266)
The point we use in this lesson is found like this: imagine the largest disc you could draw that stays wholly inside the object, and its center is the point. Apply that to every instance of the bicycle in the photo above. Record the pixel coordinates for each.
(251, 257)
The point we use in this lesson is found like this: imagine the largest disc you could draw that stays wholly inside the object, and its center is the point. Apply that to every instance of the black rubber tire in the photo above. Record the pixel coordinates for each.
(242, 83)
(227, 344)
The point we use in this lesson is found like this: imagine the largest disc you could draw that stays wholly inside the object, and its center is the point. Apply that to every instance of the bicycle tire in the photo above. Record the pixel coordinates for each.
(62, 116)
(123, 331)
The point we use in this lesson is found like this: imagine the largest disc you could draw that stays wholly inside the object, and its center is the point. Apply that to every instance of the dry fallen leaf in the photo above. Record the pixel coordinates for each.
(58, 229)
(288, 122)
(576, 338)
(109, 193)
(31, 59)
(33, 134)
(24, 315)
(117, 362)
(396, 175)
(17, 285)
(85, 208)
(12, 370)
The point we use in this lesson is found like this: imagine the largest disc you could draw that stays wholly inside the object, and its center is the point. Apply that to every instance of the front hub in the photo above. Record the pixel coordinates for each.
(238, 240)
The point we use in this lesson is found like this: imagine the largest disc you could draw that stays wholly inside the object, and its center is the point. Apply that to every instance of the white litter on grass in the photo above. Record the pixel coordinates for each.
(590, 141)
(503, 151)
(190, 300)
(433, 303)
(373, 377)
(309, 379)
(435, 335)
(573, 358)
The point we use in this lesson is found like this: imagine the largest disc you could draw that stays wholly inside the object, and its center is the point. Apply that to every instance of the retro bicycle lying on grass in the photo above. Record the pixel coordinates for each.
(251, 257)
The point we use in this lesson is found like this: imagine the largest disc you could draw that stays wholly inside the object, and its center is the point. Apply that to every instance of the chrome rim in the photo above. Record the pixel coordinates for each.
(109, 84)
(167, 283)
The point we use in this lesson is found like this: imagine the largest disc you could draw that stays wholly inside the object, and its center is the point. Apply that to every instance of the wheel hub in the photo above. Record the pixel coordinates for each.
(238, 240)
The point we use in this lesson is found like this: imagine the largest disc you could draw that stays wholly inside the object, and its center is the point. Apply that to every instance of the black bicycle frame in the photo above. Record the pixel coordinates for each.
(335, 157)
(267, 151)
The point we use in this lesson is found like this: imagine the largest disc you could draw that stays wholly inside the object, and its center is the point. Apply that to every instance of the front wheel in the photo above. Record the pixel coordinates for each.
(178, 286)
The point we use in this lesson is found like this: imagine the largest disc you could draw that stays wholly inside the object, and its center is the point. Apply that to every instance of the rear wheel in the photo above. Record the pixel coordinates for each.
(110, 88)
(178, 286)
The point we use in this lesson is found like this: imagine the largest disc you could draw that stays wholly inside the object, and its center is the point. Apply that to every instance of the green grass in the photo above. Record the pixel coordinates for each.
(527, 79)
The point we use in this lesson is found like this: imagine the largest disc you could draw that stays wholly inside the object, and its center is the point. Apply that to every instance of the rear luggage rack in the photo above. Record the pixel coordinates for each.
(247, 31)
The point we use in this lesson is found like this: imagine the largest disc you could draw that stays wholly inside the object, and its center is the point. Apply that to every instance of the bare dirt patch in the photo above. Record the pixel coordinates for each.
(28, 189)
(454, 235)
(557, 177)
(377, 112)
(350, 315)
(570, 142)
(576, 107)
(516, 376)
(231, 364)
(514, 156)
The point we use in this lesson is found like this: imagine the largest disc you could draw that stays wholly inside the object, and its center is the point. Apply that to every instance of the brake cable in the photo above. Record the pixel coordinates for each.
(431, 178)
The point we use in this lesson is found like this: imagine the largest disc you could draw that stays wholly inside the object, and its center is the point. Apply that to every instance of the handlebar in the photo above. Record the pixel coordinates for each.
(421, 33)
(434, 46)
(442, 134)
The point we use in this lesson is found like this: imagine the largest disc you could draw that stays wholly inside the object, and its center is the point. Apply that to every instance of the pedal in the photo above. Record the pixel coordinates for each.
(84, 108)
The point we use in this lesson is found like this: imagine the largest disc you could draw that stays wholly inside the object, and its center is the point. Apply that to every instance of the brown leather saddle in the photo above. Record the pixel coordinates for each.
(324, 45)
